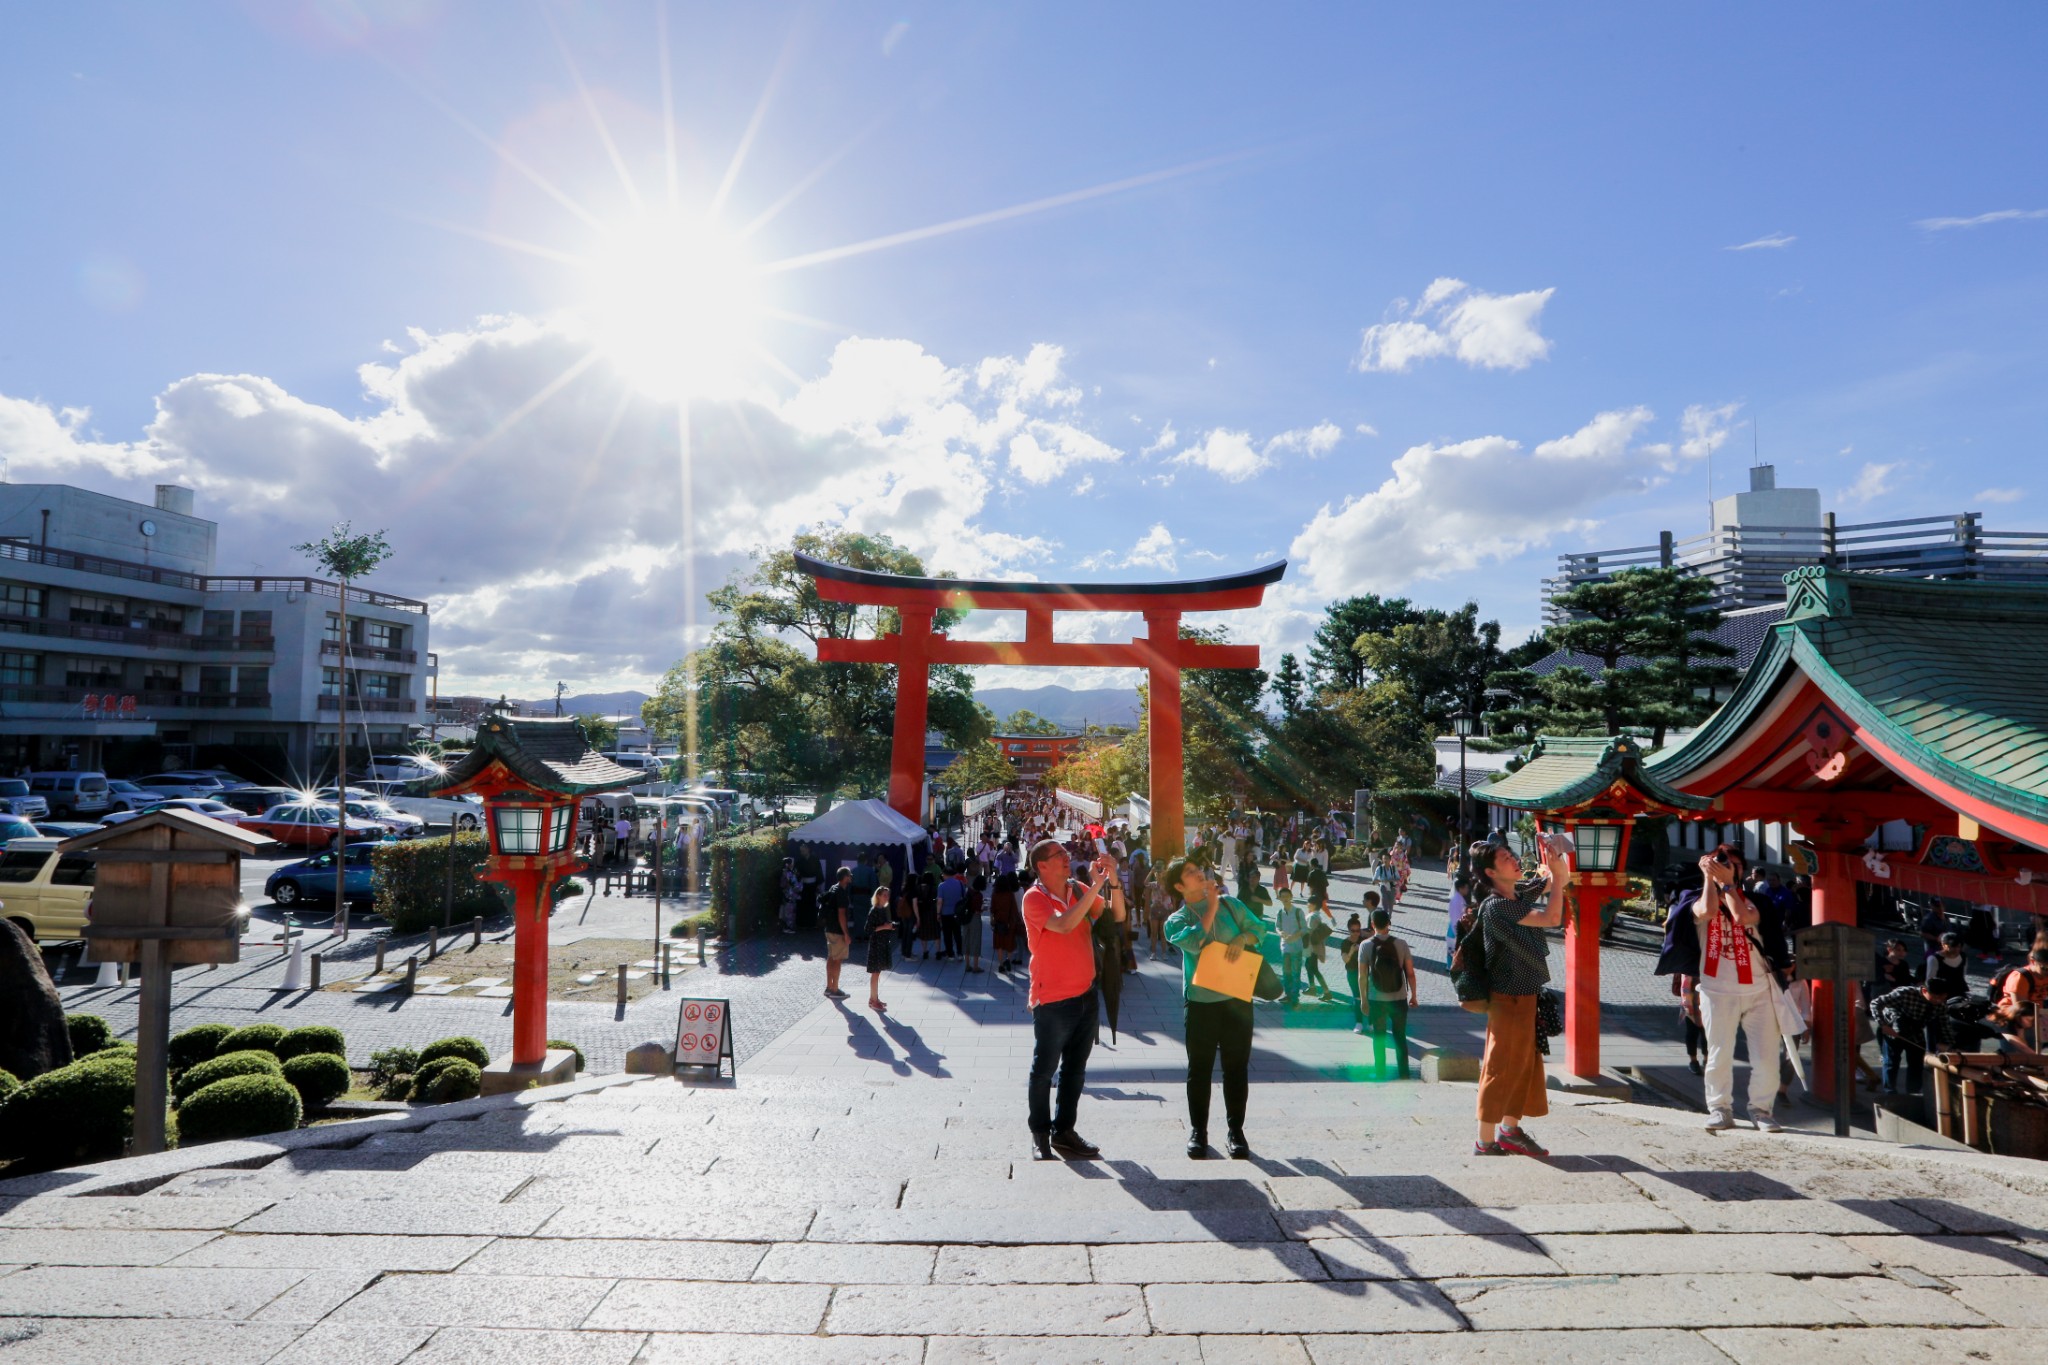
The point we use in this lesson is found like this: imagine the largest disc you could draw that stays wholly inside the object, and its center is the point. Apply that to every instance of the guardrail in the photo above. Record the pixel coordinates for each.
(64, 695)
(29, 552)
(394, 704)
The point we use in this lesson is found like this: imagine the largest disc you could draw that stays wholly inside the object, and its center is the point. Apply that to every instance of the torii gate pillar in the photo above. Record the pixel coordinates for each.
(1164, 736)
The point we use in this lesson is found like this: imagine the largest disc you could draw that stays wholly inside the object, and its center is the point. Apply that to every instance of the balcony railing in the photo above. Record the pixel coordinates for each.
(360, 651)
(32, 553)
(132, 635)
(405, 704)
(48, 694)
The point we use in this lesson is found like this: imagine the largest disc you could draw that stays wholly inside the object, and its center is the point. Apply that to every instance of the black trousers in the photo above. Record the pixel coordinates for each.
(949, 936)
(1064, 1035)
(1219, 1026)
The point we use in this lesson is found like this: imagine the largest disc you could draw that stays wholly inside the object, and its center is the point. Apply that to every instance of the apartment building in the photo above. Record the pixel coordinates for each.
(120, 647)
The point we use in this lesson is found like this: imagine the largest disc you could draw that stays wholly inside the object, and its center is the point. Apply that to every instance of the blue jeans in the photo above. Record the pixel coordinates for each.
(1389, 1017)
(1064, 1033)
(1357, 998)
(1290, 971)
(1893, 1051)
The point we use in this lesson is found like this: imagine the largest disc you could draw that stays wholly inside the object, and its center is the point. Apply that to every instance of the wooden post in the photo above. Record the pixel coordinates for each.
(412, 973)
(1834, 902)
(152, 1038)
(315, 979)
(622, 985)
(379, 970)
(476, 932)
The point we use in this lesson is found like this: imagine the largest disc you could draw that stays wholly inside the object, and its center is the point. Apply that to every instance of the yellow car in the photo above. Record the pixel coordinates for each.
(43, 892)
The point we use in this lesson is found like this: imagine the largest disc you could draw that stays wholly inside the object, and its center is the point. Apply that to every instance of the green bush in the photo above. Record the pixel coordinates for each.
(239, 1106)
(319, 1077)
(249, 1063)
(746, 882)
(391, 1071)
(311, 1038)
(89, 1033)
(9, 1084)
(568, 887)
(1426, 815)
(450, 1078)
(200, 1043)
(253, 1038)
(686, 927)
(563, 1045)
(411, 877)
(469, 1049)
(80, 1112)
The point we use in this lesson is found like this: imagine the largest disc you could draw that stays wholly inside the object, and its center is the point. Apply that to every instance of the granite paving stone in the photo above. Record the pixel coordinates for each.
(845, 1263)
(1153, 1350)
(1012, 1265)
(131, 1212)
(1884, 1301)
(315, 1296)
(1950, 1256)
(1534, 1219)
(1649, 1301)
(721, 1348)
(974, 1310)
(183, 1341)
(617, 1258)
(96, 1246)
(495, 1346)
(400, 1217)
(353, 1343)
(1790, 1253)
(477, 1300)
(1868, 1345)
(335, 1251)
(1651, 1346)
(1017, 1226)
(1431, 1258)
(680, 1222)
(1204, 1262)
(665, 1305)
(1353, 1306)
(1798, 1215)
(2009, 1300)
(141, 1292)
(1277, 1348)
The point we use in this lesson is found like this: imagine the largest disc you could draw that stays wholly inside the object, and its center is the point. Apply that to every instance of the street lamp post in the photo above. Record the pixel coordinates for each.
(1461, 723)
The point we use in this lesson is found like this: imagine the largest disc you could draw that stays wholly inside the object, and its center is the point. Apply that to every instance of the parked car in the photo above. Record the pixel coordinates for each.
(213, 810)
(15, 800)
(45, 894)
(256, 800)
(13, 827)
(416, 798)
(312, 879)
(63, 829)
(403, 825)
(71, 794)
(308, 826)
(404, 767)
(125, 795)
(167, 785)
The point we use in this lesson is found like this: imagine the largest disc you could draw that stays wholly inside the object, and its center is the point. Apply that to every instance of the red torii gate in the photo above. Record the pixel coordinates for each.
(1160, 652)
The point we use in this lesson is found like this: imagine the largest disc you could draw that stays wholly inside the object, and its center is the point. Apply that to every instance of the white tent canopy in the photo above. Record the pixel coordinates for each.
(860, 824)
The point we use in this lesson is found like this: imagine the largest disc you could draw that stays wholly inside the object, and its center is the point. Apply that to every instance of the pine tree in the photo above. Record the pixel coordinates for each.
(1288, 682)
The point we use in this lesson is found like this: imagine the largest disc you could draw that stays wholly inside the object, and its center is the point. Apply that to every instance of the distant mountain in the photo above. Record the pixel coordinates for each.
(1064, 705)
(588, 704)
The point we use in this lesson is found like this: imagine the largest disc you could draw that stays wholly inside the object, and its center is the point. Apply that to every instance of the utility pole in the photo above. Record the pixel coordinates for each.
(560, 688)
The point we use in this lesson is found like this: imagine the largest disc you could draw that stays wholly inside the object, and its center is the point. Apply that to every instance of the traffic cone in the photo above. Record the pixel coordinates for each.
(110, 975)
(293, 969)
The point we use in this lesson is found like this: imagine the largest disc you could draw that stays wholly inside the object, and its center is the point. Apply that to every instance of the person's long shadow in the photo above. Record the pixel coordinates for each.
(867, 1042)
(916, 1053)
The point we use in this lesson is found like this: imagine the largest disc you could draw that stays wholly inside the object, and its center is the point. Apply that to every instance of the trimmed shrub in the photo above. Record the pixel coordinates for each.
(253, 1038)
(9, 1084)
(319, 1077)
(80, 1112)
(203, 1074)
(239, 1106)
(686, 927)
(566, 888)
(311, 1038)
(562, 1044)
(391, 1071)
(468, 1049)
(746, 882)
(411, 877)
(89, 1033)
(450, 1078)
(200, 1043)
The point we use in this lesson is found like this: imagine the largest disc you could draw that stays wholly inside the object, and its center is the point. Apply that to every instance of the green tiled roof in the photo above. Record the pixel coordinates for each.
(1948, 675)
(547, 752)
(1566, 772)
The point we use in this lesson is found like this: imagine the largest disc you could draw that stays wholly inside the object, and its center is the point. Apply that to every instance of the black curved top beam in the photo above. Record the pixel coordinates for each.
(1262, 577)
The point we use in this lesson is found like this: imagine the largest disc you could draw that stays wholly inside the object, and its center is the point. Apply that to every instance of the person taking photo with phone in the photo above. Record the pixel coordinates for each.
(1735, 994)
(1058, 915)
(1511, 1080)
(1216, 1023)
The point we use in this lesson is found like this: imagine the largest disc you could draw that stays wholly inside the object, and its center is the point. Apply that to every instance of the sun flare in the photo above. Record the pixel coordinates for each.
(676, 306)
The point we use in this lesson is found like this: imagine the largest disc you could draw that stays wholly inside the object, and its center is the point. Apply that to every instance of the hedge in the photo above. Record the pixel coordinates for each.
(554, 1044)
(311, 1038)
(411, 877)
(249, 1063)
(9, 1083)
(319, 1077)
(80, 1112)
(200, 1043)
(240, 1106)
(89, 1034)
(468, 1049)
(253, 1038)
(1427, 815)
(746, 882)
(449, 1078)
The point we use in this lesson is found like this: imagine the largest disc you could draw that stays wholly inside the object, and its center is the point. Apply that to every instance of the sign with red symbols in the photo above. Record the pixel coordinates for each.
(704, 1034)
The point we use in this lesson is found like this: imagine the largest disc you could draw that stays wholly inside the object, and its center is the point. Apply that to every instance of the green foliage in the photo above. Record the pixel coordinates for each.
(203, 1074)
(1427, 815)
(977, 768)
(1339, 741)
(746, 882)
(1289, 682)
(9, 1083)
(450, 1078)
(598, 732)
(345, 555)
(469, 1049)
(687, 926)
(311, 1038)
(240, 1106)
(388, 1064)
(197, 1044)
(563, 1045)
(253, 1037)
(411, 877)
(89, 1033)
(1333, 660)
(1443, 659)
(566, 888)
(80, 1112)
(1107, 769)
(319, 1077)
(1026, 722)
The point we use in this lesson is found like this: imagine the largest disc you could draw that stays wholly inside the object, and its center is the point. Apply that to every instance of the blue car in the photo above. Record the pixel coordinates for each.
(312, 879)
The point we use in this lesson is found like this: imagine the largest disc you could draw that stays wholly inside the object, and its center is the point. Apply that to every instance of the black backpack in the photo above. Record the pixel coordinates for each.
(1386, 972)
(1469, 977)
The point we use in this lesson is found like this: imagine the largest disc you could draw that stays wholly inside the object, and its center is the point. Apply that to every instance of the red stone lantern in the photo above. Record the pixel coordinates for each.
(531, 774)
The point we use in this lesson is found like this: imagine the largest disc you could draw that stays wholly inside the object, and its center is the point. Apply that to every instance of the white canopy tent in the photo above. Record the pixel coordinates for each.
(860, 824)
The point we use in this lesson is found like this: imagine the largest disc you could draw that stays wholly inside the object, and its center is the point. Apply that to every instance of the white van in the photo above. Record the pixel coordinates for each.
(404, 768)
(72, 794)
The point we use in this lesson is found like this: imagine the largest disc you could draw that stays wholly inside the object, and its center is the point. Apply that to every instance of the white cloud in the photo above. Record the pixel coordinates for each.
(1773, 242)
(1168, 438)
(1319, 439)
(1447, 509)
(1704, 429)
(1366, 429)
(1234, 456)
(1873, 481)
(1485, 331)
(1995, 216)
(2000, 495)
(1153, 550)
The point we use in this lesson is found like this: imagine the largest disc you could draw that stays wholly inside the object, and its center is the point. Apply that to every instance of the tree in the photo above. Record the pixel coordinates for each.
(347, 556)
(1689, 669)
(979, 767)
(1342, 739)
(1288, 682)
(1443, 660)
(1224, 728)
(1332, 659)
(598, 732)
(1022, 722)
(1107, 769)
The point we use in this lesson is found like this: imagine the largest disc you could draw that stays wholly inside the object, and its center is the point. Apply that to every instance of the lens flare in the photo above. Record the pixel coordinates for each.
(675, 305)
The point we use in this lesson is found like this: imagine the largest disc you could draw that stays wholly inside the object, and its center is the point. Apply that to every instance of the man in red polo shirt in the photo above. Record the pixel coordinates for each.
(1058, 914)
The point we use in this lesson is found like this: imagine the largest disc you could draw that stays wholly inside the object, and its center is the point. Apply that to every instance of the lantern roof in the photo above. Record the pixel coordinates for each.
(1569, 774)
(546, 753)
(189, 828)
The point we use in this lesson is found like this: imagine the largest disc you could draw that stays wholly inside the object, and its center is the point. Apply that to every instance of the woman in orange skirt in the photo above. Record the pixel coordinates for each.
(1511, 1080)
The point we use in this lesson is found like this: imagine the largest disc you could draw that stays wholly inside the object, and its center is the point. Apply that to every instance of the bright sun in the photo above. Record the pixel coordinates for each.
(675, 304)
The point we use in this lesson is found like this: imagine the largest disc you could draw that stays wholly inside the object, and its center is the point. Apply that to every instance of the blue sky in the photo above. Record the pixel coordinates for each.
(1425, 296)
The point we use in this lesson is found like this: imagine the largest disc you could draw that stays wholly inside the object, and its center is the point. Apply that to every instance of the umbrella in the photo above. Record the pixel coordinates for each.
(1109, 968)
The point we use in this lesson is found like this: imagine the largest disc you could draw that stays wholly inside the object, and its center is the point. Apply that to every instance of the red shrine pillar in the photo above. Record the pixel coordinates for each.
(529, 888)
(913, 693)
(1169, 818)
(1589, 892)
(1834, 902)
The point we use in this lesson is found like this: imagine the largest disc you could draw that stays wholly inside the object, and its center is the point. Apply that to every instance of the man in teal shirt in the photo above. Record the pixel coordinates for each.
(1215, 1022)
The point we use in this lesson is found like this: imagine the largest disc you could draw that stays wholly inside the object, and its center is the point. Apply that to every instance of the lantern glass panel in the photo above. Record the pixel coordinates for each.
(518, 828)
(562, 823)
(1599, 847)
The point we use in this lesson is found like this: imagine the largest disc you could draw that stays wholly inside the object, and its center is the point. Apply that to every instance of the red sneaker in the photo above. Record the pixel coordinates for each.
(1488, 1149)
(1516, 1140)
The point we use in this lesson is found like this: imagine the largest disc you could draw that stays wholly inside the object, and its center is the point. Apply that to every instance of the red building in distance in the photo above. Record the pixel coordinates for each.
(1033, 756)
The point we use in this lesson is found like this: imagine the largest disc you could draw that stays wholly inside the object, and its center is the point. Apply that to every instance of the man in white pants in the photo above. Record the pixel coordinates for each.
(1735, 992)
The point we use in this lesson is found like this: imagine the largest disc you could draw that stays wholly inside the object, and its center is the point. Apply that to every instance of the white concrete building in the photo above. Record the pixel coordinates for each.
(116, 636)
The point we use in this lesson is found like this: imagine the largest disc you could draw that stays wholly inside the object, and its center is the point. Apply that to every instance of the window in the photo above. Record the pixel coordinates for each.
(332, 631)
(252, 681)
(19, 599)
(1041, 748)
(214, 680)
(21, 866)
(564, 821)
(256, 625)
(92, 672)
(98, 611)
(157, 616)
(518, 828)
(73, 871)
(217, 625)
(162, 677)
(21, 668)
(384, 635)
(382, 684)
(330, 682)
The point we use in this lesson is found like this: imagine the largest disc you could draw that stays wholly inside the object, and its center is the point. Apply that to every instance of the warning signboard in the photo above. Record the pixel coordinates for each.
(704, 1034)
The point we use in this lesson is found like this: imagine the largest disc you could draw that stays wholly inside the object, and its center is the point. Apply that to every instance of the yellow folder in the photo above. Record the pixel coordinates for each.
(1215, 971)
